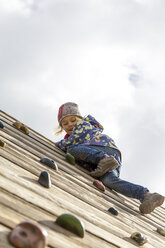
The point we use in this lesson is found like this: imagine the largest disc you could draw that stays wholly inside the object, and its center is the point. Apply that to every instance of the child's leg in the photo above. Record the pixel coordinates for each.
(95, 155)
(149, 201)
(86, 153)
(111, 180)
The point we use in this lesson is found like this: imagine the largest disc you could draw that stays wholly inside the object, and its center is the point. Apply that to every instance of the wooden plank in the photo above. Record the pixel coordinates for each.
(56, 204)
(63, 165)
(10, 120)
(60, 236)
(134, 205)
(128, 209)
(37, 146)
(78, 190)
(17, 174)
(4, 233)
(15, 152)
(127, 200)
(76, 205)
(56, 235)
(70, 186)
(150, 221)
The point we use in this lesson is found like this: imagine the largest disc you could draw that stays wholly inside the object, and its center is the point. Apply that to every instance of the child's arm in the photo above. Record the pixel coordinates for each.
(76, 137)
(94, 122)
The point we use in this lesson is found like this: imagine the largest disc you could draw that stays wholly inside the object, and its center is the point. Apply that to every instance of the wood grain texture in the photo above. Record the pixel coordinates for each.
(72, 191)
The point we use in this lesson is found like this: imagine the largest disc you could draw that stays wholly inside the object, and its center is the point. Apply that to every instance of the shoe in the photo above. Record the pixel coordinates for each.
(108, 163)
(150, 202)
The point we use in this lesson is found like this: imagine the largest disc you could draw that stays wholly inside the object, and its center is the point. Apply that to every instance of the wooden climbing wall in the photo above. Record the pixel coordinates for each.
(72, 191)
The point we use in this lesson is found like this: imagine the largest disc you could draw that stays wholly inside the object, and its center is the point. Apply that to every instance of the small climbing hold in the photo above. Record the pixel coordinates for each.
(49, 162)
(113, 211)
(1, 124)
(70, 158)
(17, 124)
(138, 238)
(98, 184)
(161, 231)
(21, 127)
(24, 129)
(44, 179)
(2, 144)
(28, 234)
(71, 223)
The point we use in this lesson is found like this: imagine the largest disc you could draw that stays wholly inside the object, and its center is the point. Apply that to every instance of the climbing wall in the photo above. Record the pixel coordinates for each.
(23, 198)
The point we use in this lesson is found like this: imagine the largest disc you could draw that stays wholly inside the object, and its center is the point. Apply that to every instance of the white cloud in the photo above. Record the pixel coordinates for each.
(17, 6)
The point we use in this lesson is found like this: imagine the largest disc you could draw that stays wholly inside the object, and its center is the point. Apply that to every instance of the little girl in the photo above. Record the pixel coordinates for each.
(86, 142)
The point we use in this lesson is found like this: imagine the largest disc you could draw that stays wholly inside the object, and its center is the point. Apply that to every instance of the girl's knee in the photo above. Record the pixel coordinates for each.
(110, 177)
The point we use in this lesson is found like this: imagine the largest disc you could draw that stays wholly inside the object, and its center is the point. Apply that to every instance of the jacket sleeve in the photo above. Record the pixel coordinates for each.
(79, 132)
(94, 122)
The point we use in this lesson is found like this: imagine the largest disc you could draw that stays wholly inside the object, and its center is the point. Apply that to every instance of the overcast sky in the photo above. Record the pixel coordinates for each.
(106, 55)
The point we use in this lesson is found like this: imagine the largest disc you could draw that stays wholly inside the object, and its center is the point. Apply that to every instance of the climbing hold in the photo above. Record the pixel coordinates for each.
(28, 234)
(21, 126)
(99, 185)
(1, 124)
(24, 129)
(44, 179)
(138, 238)
(161, 231)
(71, 223)
(17, 124)
(2, 144)
(113, 211)
(70, 158)
(49, 162)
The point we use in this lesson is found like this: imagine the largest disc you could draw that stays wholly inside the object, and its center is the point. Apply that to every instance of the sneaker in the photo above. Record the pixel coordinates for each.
(108, 163)
(150, 202)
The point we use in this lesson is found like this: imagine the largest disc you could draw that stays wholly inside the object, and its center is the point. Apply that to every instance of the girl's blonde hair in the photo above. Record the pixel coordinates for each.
(58, 130)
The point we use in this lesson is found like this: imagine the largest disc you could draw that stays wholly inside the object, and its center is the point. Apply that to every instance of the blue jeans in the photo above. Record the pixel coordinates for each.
(92, 154)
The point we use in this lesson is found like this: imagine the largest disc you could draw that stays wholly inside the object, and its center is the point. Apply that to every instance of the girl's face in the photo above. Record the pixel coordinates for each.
(69, 122)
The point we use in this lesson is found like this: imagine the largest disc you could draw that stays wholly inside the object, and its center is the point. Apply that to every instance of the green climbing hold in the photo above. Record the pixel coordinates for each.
(139, 238)
(70, 159)
(71, 223)
(161, 231)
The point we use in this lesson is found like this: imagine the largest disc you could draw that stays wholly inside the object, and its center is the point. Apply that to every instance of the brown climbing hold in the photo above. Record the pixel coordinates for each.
(2, 144)
(161, 231)
(98, 184)
(138, 238)
(21, 126)
(28, 234)
(17, 124)
(24, 129)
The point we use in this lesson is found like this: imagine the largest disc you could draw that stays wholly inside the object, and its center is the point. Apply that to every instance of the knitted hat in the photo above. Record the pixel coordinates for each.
(68, 108)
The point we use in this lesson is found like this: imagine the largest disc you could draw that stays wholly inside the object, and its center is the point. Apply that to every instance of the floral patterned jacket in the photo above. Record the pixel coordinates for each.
(88, 132)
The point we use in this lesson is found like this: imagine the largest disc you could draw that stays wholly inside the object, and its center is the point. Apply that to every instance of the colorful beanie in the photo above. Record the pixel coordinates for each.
(68, 108)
